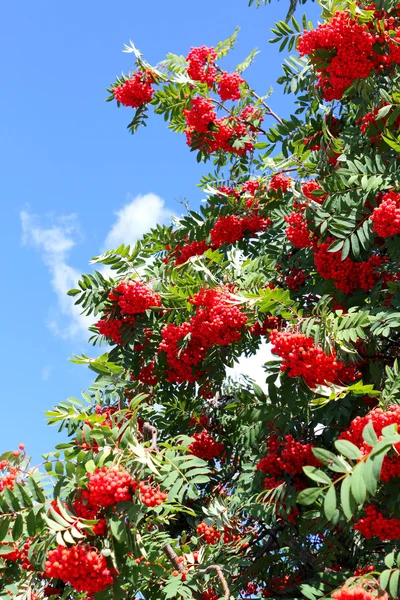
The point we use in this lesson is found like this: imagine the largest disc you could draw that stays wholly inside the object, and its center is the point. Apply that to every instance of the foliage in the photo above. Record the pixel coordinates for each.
(176, 480)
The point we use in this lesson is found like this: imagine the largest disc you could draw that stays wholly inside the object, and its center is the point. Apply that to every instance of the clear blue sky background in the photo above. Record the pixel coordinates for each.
(69, 165)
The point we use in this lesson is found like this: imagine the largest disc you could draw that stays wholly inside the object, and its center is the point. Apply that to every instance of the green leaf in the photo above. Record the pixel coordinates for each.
(358, 486)
(346, 497)
(384, 578)
(394, 583)
(309, 495)
(4, 525)
(330, 503)
(316, 475)
(389, 560)
(17, 528)
(348, 449)
(369, 434)
(31, 523)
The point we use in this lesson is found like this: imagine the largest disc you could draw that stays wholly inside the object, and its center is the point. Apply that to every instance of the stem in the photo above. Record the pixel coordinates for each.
(221, 577)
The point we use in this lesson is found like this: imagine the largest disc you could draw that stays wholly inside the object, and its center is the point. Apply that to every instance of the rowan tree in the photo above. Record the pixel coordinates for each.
(176, 481)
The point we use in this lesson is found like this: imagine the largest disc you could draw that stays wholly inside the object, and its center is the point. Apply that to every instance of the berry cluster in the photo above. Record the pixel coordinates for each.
(295, 279)
(134, 297)
(302, 358)
(347, 275)
(379, 419)
(201, 67)
(231, 229)
(20, 554)
(374, 524)
(110, 485)
(183, 253)
(135, 91)
(85, 510)
(229, 134)
(357, 593)
(217, 322)
(313, 186)
(205, 446)
(8, 480)
(229, 86)
(251, 590)
(209, 534)
(354, 51)
(266, 326)
(280, 182)
(386, 217)
(279, 583)
(85, 569)
(209, 595)
(285, 457)
(151, 496)
(297, 232)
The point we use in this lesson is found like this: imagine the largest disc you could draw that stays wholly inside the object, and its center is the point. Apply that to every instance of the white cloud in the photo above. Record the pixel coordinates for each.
(136, 218)
(55, 242)
(57, 238)
(46, 372)
(252, 366)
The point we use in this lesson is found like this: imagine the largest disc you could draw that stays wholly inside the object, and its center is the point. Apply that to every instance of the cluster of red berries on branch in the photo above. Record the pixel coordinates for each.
(9, 478)
(285, 456)
(209, 595)
(229, 134)
(302, 358)
(110, 485)
(348, 276)
(231, 229)
(313, 186)
(266, 326)
(379, 419)
(151, 496)
(136, 91)
(209, 534)
(218, 321)
(129, 298)
(134, 297)
(229, 86)
(182, 253)
(85, 510)
(295, 279)
(374, 524)
(357, 593)
(20, 555)
(201, 65)
(353, 52)
(279, 583)
(205, 446)
(297, 232)
(280, 182)
(83, 567)
(386, 216)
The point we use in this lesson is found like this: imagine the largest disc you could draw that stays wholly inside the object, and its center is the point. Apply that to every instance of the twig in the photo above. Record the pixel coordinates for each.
(173, 557)
(147, 428)
(221, 577)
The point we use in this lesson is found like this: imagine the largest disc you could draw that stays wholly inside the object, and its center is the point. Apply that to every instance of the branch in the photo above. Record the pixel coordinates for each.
(147, 428)
(221, 577)
(173, 557)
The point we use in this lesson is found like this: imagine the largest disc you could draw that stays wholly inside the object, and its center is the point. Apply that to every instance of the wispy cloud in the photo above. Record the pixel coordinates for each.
(136, 218)
(54, 242)
(55, 237)
(46, 372)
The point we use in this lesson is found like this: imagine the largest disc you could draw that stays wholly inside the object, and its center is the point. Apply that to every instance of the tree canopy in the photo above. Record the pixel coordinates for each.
(176, 481)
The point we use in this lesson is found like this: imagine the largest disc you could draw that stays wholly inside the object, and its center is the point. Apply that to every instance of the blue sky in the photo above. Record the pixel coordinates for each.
(72, 173)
